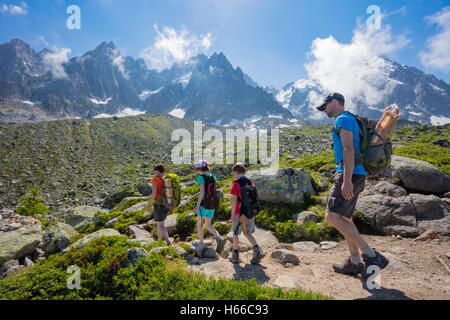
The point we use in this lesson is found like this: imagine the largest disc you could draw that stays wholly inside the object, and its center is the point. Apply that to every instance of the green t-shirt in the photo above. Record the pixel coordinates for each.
(201, 180)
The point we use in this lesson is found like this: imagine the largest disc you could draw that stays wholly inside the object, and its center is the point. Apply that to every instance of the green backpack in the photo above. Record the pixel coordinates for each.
(375, 158)
(175, 189)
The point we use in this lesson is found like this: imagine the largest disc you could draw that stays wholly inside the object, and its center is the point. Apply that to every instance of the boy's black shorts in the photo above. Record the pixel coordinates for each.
(160, 212)
(337, 203)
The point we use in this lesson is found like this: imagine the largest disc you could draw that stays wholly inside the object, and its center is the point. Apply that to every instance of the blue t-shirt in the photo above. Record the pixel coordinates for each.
(347, 121)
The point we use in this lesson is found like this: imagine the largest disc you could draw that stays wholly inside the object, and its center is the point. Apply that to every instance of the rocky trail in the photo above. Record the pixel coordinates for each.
(414, 271)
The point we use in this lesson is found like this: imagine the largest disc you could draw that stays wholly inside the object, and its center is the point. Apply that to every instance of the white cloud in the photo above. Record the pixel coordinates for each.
(171, 46)
(436, 55)
(357, 69)
(118, 62)
(14, 9)
(53, 62)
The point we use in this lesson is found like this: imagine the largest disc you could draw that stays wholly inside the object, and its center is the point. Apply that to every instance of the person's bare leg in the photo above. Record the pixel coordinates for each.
(200, 228)
(162, 231)
(235, 242)
(347, 228)
(210, 227)
(251, 238)
(352, 247)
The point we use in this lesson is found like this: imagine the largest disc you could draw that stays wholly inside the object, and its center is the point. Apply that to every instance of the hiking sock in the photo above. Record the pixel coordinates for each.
(236, 251)
(355, 258)
(368, 251)
(256, 247)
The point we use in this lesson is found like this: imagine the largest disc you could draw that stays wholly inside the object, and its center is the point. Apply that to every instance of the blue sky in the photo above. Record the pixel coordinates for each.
(270, 40)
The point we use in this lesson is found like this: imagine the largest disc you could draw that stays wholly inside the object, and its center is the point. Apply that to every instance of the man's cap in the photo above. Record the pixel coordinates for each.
(328, 99)
(200, 164)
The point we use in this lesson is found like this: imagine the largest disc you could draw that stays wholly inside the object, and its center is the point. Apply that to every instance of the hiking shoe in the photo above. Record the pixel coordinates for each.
(379, 260)
(348, 267)
(220, 244)
(234, 258)
(258, 254)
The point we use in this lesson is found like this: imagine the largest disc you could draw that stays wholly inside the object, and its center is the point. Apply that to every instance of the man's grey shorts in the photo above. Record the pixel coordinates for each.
(160, 212)
(242, 224)
(337, 203)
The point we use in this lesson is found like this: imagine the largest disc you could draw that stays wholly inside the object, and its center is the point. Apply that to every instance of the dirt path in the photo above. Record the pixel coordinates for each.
(413, 273)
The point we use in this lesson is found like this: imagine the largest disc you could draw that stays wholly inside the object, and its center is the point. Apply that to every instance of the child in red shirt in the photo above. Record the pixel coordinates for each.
(240, 221)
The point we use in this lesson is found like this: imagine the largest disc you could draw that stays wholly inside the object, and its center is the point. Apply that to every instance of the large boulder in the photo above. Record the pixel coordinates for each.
(408, 215)
(138, 232)
(133, 255)
(137, 207)
(282, 185)
(57, 237)
(170, 223)
(18, 244)
(115, 198)
(91, 237)
(419, 176)
(81, 216)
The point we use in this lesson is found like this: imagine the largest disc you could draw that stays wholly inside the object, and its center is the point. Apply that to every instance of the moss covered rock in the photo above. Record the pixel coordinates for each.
(18, 244)
(282, 185)
(93, 236)
(57, 237)
(81, 216)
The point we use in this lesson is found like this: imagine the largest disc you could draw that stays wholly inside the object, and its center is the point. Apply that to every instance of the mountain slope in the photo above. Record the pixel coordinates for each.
(102, 81)
(421, 97)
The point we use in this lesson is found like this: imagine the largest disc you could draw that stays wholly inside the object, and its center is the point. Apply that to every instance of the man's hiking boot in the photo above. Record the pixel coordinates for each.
(348, 267)
(258, 254)
(379, 260)
(220, 244)
(234, 258)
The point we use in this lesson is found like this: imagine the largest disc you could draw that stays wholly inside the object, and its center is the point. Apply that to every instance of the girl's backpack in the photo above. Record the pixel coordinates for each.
(212, 195)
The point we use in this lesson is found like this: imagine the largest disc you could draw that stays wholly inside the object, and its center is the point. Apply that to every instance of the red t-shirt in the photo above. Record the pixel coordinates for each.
(236, 191)
(159, 183)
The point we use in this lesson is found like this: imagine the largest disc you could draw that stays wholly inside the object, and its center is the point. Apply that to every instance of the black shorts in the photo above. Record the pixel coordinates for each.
(337, 203)
(160, 212)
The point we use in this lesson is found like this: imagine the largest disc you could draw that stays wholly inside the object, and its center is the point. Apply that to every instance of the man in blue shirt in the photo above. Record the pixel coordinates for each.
(348, 184)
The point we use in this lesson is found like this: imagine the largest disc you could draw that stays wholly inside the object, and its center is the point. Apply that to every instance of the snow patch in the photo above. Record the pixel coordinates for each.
(93, 100)
(127, 112)
(32, 103)
(179, 113)
(147, 93)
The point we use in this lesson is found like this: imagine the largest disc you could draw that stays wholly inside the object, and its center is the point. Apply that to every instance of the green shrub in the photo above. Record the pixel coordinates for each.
(32, 204)
(222, 229)
(103, 276)
(223, 213)
(311, 231)
(185, 226)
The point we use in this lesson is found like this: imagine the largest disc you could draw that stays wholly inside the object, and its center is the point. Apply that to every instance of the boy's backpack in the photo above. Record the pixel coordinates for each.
(375, 158)
(170, 191)
(212, 196)
(250, 205)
